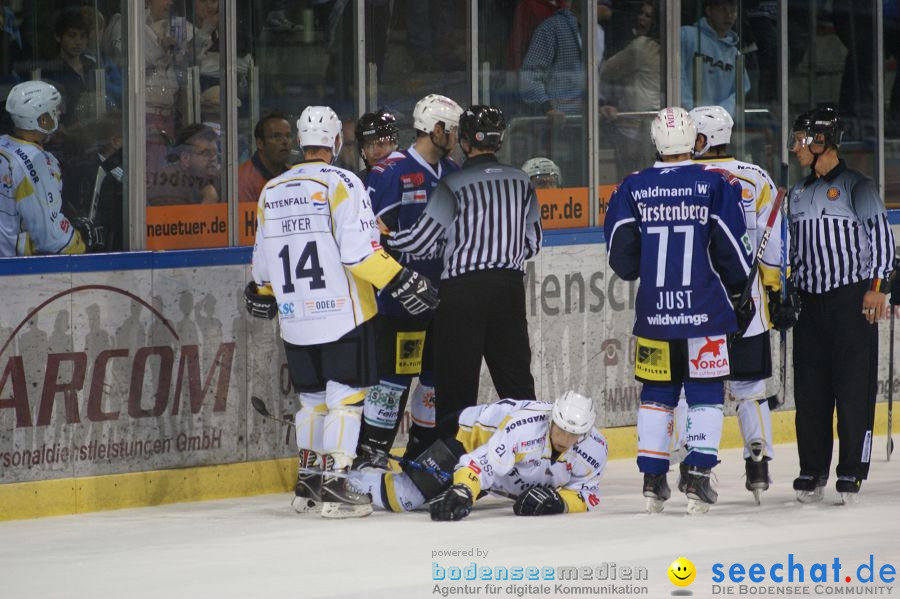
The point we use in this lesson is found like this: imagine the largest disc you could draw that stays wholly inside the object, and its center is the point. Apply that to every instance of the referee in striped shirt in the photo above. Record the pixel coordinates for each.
(842, 252)
(484, 221)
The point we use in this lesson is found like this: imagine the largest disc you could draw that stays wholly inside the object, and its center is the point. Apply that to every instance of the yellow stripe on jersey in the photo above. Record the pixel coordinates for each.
(771, 277)
(340, 194)
(354, 399)
(366, 298)
(75, 246)
(391, 493)
(378, 269)
(478, 435)
(574, 502)
(265, 289)
(764, 198)
(24, 190)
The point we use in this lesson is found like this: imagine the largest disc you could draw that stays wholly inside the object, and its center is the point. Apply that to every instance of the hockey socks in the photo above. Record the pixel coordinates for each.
(755, 420)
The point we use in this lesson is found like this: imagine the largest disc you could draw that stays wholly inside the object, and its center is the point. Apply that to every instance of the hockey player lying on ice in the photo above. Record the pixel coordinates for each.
(549, 457)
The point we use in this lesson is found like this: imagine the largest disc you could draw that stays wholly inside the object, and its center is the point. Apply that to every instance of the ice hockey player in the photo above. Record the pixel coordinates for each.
(315, 261)
(376, 138)
(679, 228)
(751, 360)
(548, 457)
(543, 172)
(399, 187)
(31, 218)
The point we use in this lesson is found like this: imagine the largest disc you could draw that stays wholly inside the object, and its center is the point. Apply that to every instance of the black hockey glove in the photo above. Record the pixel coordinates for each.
(895, 283)
(783, 313)
(743, 311)
(91, 234)
(453, 504)
(539, 501)
(414, 291)
(258, 305)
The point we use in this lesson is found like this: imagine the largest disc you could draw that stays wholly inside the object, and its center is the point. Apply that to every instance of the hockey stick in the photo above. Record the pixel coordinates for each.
(782, 335)
(890, 440)
(754, 268)
(260, 406)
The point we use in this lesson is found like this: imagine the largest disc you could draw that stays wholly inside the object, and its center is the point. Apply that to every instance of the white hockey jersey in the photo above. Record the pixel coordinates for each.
(518, 456)
(317, 247)
(758, 193)
(31, 218)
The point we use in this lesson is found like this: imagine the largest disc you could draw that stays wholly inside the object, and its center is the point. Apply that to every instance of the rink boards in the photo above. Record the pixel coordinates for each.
(124, 379)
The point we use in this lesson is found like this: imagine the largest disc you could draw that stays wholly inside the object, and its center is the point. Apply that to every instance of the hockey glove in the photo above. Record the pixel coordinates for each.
(91, 234)
(414, 292)
(539, 501)
(453, 504)
(783, 313)
(259, 305)
(743, 311)
(895, 283)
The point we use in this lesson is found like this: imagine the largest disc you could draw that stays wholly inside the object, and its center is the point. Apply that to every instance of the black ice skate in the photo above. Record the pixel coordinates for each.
(682, 477)
(307, 491)
(848, 487)
(810, 489)
(757, 477)
(699, 490)
(656, 490)
(340, 500)
(368, 456)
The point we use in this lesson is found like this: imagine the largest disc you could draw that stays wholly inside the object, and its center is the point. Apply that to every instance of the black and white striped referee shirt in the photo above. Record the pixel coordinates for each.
(482, 217)
(839, 231)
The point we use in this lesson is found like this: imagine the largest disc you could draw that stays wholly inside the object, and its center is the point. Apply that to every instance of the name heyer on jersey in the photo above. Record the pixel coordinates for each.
(680, 212)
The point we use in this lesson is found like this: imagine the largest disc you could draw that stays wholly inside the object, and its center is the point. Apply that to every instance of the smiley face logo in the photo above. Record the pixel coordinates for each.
(682, 572)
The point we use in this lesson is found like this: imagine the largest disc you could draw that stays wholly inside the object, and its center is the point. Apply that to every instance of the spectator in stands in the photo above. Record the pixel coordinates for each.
(72, 70)
(12, 50)
(528, 15)
(192, 174)
(274, 140)
(716, 44)
(631, 78)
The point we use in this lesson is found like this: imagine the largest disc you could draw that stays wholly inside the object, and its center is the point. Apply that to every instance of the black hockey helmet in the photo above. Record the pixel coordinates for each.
(482, 127)
(819, 126)
(380, 124)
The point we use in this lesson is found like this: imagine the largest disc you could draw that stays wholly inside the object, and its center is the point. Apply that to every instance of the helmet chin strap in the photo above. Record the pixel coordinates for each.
(444, 150)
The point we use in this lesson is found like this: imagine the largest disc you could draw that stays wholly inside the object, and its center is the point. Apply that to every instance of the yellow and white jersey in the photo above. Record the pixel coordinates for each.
(758, 193)
(518, 455)
(31, 218)
(317, 247)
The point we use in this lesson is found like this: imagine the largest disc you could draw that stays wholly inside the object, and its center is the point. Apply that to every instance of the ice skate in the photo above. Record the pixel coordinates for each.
(757, 477)
(848, 488)
(682, 477)
(340, 500)
(809, 488)
(656, 490)
(699, 490)
(307, 492)
(368, 456)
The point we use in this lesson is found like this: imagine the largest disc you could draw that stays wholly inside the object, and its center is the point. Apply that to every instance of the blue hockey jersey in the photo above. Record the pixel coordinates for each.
(399, 187)
(679, 227)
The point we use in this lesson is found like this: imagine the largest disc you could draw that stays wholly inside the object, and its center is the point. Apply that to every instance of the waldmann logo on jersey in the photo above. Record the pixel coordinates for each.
(476, 579)
(828, 578)
(678, 212)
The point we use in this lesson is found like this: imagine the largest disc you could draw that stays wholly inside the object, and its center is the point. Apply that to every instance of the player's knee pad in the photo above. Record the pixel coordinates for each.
(422, 406)
(704, 431)
(654, 427)
(755, 421)
(747, 390)
(383, 403)
(309, 421)
(341, 432)
(663, 395)
(704, 393)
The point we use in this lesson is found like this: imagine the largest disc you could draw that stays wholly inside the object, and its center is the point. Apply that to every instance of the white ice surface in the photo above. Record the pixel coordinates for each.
(258, 547)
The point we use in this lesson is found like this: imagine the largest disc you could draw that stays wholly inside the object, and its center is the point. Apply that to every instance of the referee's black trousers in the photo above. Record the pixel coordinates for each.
(481, 314)
(835, 364)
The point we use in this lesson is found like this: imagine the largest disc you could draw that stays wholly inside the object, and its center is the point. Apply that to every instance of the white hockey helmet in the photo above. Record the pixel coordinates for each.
(574, 413)
(673, 131)
(434, 109)
(320, 126)
(27, 101)
(715, 124)
(540, 166)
